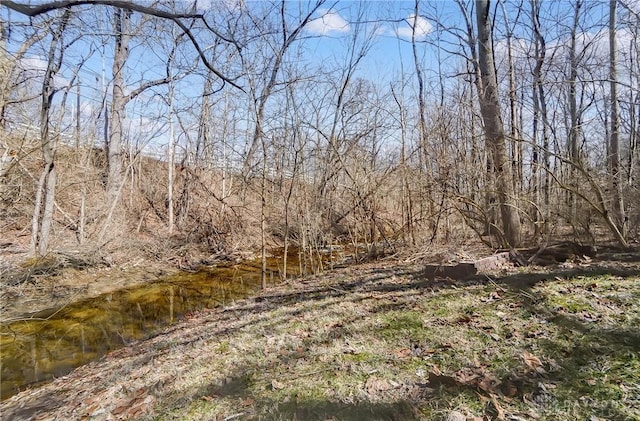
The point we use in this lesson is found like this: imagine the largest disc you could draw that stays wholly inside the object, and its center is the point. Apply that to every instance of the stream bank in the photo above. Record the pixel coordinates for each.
(57, 319)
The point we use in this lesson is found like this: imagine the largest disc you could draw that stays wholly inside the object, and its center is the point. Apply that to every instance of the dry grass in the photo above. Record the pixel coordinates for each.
(380, 342)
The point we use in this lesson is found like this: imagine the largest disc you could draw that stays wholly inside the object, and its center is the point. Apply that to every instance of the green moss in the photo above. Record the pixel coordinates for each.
(399, 325)
(360, 357)
(223, 347)
(570, 304)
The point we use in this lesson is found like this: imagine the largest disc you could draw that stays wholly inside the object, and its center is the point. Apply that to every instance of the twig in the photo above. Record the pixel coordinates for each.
(336, 289)
(39, 319)
(494, 283)
(542, 248)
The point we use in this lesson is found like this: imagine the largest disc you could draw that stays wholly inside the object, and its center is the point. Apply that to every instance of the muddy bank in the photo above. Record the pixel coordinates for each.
(70, 285)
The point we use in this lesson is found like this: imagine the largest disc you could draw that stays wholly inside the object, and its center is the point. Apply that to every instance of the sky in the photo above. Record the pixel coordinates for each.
(390, 26)
(325, 40)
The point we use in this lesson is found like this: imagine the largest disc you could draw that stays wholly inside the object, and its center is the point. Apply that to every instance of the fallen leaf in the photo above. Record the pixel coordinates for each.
(248, 402)
(276, 385)
(141, 406)
(403, 353)
(120, 409)
(436, 379)
(466, 378)
(486, 383)
(436, 370)
(464, 319)
(375, 385)
(494, 296)
(510, 390)
(499, 411)
(456, 416)
(532, 362)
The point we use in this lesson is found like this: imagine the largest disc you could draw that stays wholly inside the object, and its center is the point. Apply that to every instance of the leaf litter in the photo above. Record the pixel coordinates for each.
(377, 341)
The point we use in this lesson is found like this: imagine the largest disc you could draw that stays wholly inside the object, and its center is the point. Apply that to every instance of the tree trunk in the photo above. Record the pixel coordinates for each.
(575, 124)
(42, 218)
(493, 127)
(541, 220)
(171, 163)
(614, 139)
(422, 122)
(118, 104)
(514, 132)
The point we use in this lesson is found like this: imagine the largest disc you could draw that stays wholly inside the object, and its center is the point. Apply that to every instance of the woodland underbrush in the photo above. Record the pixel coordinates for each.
(215, 214)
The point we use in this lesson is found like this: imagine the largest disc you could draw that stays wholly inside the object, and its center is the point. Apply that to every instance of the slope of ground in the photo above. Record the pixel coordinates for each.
(380, 342)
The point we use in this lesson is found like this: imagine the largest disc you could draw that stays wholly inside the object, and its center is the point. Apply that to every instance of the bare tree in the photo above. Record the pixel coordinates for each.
(285, 38)
(614, 135)
(176, 18)
(575, 127)
(493, 126)
(422, 120)
(122, 32)
(261, 91)
(9, 64)
(540, 117)
(45, 191)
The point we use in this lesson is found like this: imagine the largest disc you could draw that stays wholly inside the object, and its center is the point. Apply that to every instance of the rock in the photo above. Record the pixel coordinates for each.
(465, 270)
(496, 261)
(456, 416)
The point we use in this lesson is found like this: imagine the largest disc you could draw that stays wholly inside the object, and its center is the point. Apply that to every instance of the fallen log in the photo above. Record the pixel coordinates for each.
(546, 255)
(465, 270)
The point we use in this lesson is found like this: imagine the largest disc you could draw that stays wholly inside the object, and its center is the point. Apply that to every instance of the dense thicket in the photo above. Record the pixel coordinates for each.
(221, 127)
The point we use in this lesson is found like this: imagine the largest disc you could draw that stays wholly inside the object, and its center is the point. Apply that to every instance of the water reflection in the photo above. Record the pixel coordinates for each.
(52, 343)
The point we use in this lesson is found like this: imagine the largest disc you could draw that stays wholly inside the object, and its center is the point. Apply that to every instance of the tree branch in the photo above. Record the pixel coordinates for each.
(44, 8)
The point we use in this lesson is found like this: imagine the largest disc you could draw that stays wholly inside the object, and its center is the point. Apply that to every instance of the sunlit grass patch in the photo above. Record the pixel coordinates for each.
(534, 355)
(595, 346)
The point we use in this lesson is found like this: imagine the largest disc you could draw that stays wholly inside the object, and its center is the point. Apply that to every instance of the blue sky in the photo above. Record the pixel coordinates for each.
(389, 26)
(325, 40)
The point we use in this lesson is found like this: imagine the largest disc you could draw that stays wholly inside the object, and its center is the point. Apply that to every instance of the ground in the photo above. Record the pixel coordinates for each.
(380, 341)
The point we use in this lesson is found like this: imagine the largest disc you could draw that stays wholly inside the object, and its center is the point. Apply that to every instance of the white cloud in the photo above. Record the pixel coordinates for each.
(213, 5)
(634, 5)
(35, 64)
(422, 28)
(36, 67)
(330, 22)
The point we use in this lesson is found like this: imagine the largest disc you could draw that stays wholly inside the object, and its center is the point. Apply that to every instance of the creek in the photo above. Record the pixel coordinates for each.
(51, 343)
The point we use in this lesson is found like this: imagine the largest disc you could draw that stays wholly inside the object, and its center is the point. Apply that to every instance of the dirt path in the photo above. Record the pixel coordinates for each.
(377, 341)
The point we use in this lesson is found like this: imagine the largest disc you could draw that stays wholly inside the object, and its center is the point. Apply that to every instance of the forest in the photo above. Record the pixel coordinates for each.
(229, 125)
(176, 136)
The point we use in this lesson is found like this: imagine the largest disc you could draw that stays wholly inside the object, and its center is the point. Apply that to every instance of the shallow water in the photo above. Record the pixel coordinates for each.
(52, 343)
